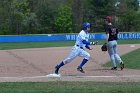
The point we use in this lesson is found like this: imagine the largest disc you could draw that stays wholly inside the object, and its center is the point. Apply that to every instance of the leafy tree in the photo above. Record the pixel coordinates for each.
(127, 14)
(4, 15)
(20, 12)
(30, 24)
(127, 21)
(63, 22)
(133, 4)
(64, 16)
(137, 22)
(98, 10)
(14, 13)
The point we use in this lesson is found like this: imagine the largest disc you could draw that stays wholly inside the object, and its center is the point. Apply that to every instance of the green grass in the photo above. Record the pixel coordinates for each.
(128, 41)
(70, 87)
(131, 60)
(5, 46)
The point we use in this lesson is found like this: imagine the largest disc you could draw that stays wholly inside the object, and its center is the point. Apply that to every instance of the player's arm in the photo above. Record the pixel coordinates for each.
(107, 37)
(87, 43)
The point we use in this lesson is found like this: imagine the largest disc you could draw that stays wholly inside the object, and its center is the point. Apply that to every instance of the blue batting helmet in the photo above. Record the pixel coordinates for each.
(85, 25)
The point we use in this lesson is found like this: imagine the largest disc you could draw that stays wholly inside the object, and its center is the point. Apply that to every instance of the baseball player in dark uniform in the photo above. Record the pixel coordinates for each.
(111, 41)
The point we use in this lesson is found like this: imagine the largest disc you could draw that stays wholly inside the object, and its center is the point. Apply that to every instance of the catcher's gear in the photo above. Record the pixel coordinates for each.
(104, 47)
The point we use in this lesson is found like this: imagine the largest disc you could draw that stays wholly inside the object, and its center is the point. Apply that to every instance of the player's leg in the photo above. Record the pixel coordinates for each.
(86, 57)
(118, 58)
(73, 54)
(111, 54)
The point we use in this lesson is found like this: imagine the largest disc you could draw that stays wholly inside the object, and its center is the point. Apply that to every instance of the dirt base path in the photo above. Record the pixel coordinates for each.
(33, 65)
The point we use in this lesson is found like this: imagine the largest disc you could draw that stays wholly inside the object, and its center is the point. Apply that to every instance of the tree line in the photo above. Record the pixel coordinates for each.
(66, 16)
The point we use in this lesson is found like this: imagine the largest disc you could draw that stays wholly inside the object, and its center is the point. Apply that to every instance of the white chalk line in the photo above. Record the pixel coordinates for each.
(37, 77)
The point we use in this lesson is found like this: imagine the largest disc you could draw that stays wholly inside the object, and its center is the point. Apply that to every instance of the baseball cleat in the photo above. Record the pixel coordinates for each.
(80, 69)
(56, 70)
(114, 68)
(122, 66)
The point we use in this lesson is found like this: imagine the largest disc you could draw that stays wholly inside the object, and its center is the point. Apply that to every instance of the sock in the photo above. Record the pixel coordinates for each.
(83, 62)
(60, 65)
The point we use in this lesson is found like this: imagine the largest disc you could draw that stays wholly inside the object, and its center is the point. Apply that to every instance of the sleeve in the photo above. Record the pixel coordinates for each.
(86, 42)
(117, 31)
(82, 36)
(87, 46)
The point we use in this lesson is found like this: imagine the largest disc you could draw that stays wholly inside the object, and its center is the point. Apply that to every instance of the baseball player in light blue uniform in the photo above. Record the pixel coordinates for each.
(111, 40)
(78, 49)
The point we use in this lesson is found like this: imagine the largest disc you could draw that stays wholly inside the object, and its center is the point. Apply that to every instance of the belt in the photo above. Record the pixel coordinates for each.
(111, 40)
(79, 46)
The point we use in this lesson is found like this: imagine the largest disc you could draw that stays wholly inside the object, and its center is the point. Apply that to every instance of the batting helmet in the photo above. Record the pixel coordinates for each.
(85, 25)
(108, 18)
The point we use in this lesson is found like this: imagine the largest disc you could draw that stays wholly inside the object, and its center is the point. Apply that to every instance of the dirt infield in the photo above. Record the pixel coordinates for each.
(23, 65)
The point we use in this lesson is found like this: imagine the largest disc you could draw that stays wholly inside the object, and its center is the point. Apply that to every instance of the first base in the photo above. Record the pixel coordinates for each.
(53, 75)
(132, 45)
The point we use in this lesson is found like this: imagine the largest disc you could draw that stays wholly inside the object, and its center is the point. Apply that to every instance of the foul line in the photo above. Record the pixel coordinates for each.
(129, 76)
(35, 77)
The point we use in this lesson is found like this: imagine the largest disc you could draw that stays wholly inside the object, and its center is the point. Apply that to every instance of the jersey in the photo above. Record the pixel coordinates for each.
(77, 49)
(82, 36)
(112, 44)
(112, 31)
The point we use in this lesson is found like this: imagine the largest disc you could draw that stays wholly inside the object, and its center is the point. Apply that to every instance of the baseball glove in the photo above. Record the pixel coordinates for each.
(104, 47)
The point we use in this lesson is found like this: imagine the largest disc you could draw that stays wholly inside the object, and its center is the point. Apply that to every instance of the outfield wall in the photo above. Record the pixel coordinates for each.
(62, 37)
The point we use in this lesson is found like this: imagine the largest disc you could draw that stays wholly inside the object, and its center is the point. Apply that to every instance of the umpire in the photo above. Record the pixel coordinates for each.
(111, 41)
